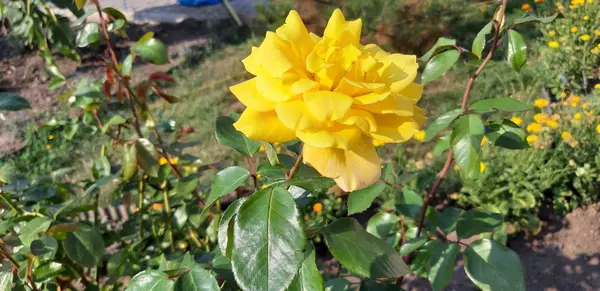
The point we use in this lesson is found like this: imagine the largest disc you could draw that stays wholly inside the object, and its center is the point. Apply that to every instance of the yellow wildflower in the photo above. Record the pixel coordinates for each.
(420, 135)
(482, 167)
(552, 33)
(552, 124)
(574, 29)
(516, 120)
(585, 105)
(554, 44)
(586, 18)
(541, 117)
(585, 37)
(597, 32)
(420, 165)
(595, 50)
(259, 176)
(532, 138)
(264, 186)
(534, 127)
(261, 149)
(163, 161)
(577, 116)
(339, 200)
(563, 94)
(318, 207)
(456, 168)
(598, 128)
(574, 100)
(333, 94)
(50, 137)
(566, 135)
(597, 86)
(484, 140)
(48, 146)
(541, 102)
(453, 196)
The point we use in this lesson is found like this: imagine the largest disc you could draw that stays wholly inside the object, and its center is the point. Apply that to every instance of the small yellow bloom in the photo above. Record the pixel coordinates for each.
(566, 135)
(173, 160)
(597, 32)
(264, 186)
(339, 200)
(555, 117)
(586, 18)
(552, 33)
(525, 6)
(482, 167)
(261, 149)
(552, 124)
(577, 116)
(595, 50)
(157, 206)
(534, 127)
(554, 44)
(48, 146)
(541, 102)
(259, 176)
(516, 120)
(598, 128)
(429, 155)
(574, 100)
(456, 168)
(453, 196)
(563, 94)
(585, 37)
(317, 207)
(574, 29)
(484, 140)
(50, 137)
(532, 138)
(541, 117)
(597, 86)
(420, 135)
(585, 105)
(420, 165)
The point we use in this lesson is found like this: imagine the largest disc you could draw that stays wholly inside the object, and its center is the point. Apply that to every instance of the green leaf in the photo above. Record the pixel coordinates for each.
(412, 245)
(442, 145)
(502, 104)
(116, 25)
(362, 253)
(517, 50)
(114, 120)
(492, 266)
(147, 157)
(271, 153)
(149, 280)
(479, 41)
(476, 221)
(361, 200)
(46, 270)
(187, 184)
(197, 279)
(466, 141)
(409, 203)
(228, 136)
(8, 174)
(6, 278)
(226, 181)
(38, 193)
(535, 19)
(127, 65)
(337, 284)
(117, 263)
(441, 264)
(88, 35)
(31, 231)
(448, 219)
(308, 278)
(129, 162)
(268, 241)
(439, 65)
(506, 134)
(441, 123)
(151, 49)
(226, 227)
(116, 14)
(84, 247)
(419, 264)
(10, 101)
(372, 285)
(45, 248)
(382, 224)
(80, 3)
(441, 44)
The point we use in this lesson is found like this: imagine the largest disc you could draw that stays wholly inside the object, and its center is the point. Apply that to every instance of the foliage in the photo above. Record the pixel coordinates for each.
(261, 227)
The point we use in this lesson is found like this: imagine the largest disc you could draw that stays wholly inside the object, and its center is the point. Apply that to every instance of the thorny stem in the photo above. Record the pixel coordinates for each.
(465, 99)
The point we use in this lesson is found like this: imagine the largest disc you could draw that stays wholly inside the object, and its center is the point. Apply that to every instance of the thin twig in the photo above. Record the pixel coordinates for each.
(296, 165)
(398, 186)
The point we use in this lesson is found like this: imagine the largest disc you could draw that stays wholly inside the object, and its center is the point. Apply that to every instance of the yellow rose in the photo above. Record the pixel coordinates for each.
(332, 93)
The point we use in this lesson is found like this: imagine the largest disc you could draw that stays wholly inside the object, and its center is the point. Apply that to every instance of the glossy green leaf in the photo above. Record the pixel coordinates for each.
(412, 245)
(6, 278)
(268, 241)
(114, 120)
(271, 153)
(127, 65)
(441, 146)
(465, 139)
(535, 19)
(187, 184)
(226, 227)
(408, 203)
(147, 157)
(361, 200)
(225, 182)
(149, 280)
(438, 65)
(228, 136)
(130, 164)
(116, 14)
(151, 49)
(84, 247)
(441, 44)
(46, 270)
(10, 101)
(31, 231)
(476, 221)
(480, 40)
(506, 134)
(45, 248)
(88, 35)
(197, 279)
(441, 265)
(517, 50)
(117, 263)
(362, 253)
(382, 224)
(441, 123)
(492, 266)
(448, 219)
(337, 284)
(503, 104)
(308, 278)
(38, 193)
(419, 265)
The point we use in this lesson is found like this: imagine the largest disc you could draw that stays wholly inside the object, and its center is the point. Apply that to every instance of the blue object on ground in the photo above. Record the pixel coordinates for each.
(198, 2)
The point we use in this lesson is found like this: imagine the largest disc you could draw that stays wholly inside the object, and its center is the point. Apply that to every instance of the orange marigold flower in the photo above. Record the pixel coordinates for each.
(318, 207)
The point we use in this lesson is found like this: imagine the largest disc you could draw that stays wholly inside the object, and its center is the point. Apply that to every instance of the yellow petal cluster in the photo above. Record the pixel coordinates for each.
(334, 94)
